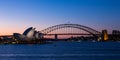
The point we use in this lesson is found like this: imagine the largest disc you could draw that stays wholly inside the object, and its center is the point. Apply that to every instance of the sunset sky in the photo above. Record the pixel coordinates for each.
(17, 15)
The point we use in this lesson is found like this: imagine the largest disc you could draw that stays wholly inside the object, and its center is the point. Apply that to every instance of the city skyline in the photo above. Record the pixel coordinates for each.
(17, 15)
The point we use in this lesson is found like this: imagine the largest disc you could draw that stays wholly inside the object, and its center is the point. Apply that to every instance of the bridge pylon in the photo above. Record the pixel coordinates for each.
(56, 36)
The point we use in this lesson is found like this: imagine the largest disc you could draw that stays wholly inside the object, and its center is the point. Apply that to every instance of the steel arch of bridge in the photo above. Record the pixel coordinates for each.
(56, 27)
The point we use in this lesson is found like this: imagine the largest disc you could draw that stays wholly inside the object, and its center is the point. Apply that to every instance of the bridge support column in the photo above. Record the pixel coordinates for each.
(104, 35)
(56, 36)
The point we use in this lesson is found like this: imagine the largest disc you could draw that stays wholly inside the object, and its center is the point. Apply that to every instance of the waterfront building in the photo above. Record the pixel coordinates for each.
(28, 34)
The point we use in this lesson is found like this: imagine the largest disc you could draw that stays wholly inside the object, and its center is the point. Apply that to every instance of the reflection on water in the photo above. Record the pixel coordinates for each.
(61, 51)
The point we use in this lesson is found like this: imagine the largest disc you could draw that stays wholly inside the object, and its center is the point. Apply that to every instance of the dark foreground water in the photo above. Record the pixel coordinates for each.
(61, 51)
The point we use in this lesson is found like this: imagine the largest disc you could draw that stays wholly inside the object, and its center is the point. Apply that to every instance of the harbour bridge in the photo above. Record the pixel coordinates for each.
(61, 32)
(69, 30)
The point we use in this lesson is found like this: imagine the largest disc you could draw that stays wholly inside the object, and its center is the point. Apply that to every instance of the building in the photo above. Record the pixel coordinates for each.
(28, 34)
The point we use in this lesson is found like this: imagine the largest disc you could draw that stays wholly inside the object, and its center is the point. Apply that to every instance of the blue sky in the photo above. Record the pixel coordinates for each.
(17, 15)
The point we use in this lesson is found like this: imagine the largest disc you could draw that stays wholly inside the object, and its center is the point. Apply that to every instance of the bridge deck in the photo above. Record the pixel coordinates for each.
(70, 34)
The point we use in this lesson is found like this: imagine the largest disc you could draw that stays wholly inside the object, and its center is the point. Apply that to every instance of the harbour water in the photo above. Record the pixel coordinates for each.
(61, 50)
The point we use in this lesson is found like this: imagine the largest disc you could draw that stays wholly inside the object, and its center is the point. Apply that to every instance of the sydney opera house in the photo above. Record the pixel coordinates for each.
(28, 34)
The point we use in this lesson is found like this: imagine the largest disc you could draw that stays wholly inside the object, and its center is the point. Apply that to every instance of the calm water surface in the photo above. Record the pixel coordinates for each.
(61, 51)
